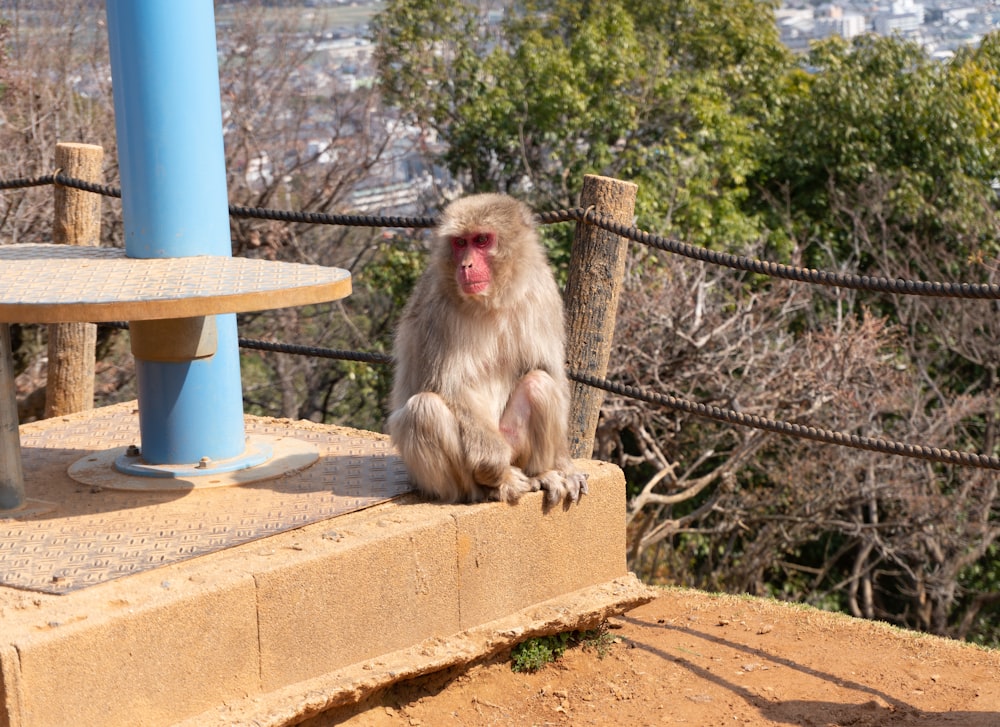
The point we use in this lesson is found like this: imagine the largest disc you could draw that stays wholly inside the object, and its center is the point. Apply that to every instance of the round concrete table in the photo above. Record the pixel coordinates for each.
(70, 284)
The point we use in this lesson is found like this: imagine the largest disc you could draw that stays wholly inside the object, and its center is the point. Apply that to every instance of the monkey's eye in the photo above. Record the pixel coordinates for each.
(482, 239)
(458, 242)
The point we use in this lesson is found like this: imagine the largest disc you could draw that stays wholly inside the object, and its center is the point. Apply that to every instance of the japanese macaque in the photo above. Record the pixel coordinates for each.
(480, 399)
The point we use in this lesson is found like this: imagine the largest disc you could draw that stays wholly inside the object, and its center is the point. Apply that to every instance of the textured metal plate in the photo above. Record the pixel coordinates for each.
(96, 535)
(67, 283)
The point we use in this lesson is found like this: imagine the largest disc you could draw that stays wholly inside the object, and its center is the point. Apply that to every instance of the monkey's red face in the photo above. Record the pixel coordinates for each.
(471, 254)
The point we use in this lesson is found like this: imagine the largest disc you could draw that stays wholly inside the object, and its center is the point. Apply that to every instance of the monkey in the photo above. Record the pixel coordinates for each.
(479, 408)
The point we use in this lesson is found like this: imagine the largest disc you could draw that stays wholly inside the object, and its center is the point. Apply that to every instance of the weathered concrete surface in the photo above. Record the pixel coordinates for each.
(255, 625)
(580, 610)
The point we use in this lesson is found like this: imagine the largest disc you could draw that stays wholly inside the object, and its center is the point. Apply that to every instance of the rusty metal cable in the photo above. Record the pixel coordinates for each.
(299, 350)
(789, 272)
(320, 218)
(729, 416)
(802, 431)
(25, 182)
(104, 189)
(592, 217)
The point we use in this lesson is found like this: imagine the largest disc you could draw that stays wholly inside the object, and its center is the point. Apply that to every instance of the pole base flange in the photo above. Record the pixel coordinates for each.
(265, 458)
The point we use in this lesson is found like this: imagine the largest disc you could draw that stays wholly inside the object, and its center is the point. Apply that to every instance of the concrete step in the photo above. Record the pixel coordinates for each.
(239, 629)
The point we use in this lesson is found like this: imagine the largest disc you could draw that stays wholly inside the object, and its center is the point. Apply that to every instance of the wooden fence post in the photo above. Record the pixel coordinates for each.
(70, 386)
(596, 272)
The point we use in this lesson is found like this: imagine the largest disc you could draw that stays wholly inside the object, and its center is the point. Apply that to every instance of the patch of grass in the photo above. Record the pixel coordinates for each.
(533, 654)
(599, 639)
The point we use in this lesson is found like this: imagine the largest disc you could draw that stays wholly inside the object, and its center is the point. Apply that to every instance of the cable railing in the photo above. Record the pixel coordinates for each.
(590, 216)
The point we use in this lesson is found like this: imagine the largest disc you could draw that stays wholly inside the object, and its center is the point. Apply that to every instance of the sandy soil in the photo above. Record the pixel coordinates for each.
(698, 659)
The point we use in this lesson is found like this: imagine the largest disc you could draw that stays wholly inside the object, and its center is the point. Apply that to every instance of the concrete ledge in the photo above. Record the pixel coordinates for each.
(577, 611)
(267, 617)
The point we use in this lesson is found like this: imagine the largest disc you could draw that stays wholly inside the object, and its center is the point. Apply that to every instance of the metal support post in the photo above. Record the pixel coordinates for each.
(175, 203)
(11, 471)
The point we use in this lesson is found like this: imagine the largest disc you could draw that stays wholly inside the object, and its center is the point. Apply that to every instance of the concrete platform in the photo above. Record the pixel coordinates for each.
(279, 626)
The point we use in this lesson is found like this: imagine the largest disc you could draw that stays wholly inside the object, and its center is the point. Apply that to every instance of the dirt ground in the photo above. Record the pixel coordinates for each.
(698, 659)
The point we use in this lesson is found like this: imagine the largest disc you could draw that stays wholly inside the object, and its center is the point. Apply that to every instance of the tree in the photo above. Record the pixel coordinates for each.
(532, 103)
(880, 114)
(289, 143)
(298, 143)
(54, 89)
(864, 157)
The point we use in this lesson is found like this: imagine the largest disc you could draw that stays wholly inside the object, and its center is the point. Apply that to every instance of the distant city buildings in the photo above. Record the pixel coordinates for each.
(941, 26)
(341, 60)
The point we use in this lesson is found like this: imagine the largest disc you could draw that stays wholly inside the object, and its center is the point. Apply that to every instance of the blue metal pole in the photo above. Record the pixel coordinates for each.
(168, 119)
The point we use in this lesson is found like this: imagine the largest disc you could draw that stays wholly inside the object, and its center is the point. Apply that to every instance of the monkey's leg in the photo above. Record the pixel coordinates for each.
(453, 458)
(427, 435)
(534, 425)
(488, 455)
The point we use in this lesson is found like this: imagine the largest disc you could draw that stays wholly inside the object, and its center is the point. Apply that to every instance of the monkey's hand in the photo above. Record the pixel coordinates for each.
(515, 484)
(489, 457)
(562, 486)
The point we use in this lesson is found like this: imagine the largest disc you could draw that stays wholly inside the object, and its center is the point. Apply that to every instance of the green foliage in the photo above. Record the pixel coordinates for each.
(598, 640)
(983, 577)
(881, 122)
(534, 654)
(361, 403)
(392, 272)
(865, 156)
(331, 391)
(673, 103)
(382, 288)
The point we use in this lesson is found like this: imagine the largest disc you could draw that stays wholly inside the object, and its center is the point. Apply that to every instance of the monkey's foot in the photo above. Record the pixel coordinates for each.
(514, 484)
(561, 486)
